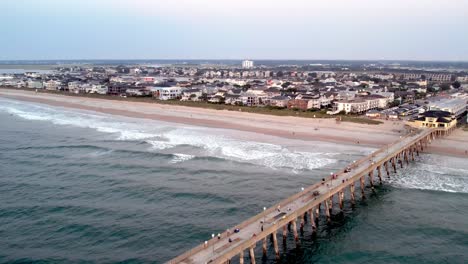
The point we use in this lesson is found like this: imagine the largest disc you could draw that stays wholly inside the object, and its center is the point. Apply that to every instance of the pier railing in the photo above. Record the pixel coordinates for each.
(293, 198)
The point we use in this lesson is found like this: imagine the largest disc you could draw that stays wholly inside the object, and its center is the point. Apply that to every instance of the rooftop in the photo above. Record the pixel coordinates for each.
(448, 103)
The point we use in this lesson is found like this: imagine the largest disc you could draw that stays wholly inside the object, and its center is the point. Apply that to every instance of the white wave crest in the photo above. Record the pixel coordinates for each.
(178, 158)
(160, 145)
(434, 173)
(163, 137)
(102, 123)
(264, 154)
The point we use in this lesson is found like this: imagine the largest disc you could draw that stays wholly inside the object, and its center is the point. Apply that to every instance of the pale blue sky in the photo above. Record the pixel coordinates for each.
(234, 29)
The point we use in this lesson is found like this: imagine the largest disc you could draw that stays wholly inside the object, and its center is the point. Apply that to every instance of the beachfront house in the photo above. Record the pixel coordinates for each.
(73, 86)
(99, 88)
(52, 85)
(137, 92)
(34, 84)
(166, 93)
(280, 101)
(249, 99)
(217, 98)
(191, 95)
(232, 99)
(300, 104)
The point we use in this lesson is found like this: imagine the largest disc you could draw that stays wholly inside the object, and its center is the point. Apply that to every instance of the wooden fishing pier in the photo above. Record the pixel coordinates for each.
(305, 207)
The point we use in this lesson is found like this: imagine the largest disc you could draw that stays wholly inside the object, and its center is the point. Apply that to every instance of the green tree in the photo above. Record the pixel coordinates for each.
(285, 85)
(445, 86)
(394, 103)
(456, 84)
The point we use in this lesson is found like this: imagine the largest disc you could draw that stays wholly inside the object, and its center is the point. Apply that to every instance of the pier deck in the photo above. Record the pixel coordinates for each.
(307, 203)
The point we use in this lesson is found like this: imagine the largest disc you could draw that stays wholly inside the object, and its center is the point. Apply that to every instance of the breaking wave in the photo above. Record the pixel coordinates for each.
(181, 158)
(160, 136)
(435, 173)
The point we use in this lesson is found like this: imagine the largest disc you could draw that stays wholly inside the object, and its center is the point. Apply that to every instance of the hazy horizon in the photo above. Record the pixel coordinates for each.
(236, 60)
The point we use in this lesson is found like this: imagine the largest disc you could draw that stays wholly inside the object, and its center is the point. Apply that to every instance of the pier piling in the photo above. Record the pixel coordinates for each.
(296, 237)
(252, 255)
(304, 203)
(275, 244)
(362, 184)
(379, 174)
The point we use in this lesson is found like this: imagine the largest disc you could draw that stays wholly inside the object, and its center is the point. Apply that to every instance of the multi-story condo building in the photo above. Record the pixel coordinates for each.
(247, 64)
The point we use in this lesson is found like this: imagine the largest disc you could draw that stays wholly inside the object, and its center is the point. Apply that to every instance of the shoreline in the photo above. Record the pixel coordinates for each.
(325, 130)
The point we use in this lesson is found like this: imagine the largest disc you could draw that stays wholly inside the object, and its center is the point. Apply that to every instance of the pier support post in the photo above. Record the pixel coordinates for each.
(275, 244)
(312, 220)
(285, 233)
(317, 213)
(351, 190)
(327, 211)
(386, 169)
(363, 195)
(264, 247)
(371, 179)
(401, 160)
(412, 153)
(252, 255)
(294, 226)
(340, 199)
(379, 174)
(302, 223)
(331, 204)
(241, 257)
(394, 165)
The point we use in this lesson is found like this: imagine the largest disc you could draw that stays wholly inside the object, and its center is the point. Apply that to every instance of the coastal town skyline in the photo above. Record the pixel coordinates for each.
(350, 30)
(276, 128)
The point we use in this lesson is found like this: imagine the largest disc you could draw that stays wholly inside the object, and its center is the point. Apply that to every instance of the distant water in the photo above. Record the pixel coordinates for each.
(22, 71)
(78, 186)
(352, 63)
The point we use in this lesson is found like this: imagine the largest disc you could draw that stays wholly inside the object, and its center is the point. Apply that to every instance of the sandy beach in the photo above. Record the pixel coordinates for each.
(327, 130)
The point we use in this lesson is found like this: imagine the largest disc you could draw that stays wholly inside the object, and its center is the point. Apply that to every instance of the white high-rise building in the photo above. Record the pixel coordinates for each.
(247, 64)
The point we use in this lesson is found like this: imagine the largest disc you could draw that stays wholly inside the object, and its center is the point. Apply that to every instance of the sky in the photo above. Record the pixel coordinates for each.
(234, 29)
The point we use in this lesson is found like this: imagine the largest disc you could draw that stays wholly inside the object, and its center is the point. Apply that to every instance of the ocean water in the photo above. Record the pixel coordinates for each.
(84, 187)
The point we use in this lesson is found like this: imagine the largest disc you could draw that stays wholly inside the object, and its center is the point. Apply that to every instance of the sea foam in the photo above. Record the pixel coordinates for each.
(435, 173)
(163, 137)
(181, 158)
